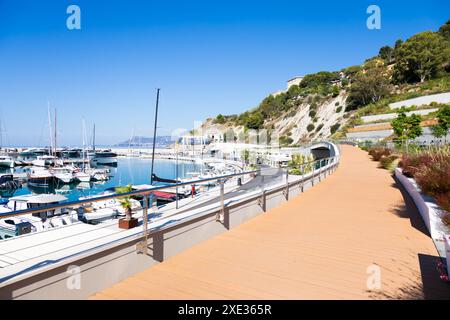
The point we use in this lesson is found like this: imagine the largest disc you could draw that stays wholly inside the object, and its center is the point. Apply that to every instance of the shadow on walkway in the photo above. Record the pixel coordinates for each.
(433, 286)
(409, 209)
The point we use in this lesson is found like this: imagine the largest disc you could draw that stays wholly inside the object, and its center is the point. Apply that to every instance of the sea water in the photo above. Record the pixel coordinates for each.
(130, 170)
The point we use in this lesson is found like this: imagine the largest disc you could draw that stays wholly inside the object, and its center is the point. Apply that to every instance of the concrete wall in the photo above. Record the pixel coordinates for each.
(425, 100)
(370, 135)
(388, 116)
(104, 268)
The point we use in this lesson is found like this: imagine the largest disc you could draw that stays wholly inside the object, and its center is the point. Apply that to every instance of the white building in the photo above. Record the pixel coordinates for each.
(294, 81)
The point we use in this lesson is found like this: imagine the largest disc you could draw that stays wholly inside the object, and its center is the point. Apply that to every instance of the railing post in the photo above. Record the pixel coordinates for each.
(286, 195)
(221, 214)
(176, 198)
(142, 247)
(314, 172)
(320, 170)
(303, 175)
(262, 199)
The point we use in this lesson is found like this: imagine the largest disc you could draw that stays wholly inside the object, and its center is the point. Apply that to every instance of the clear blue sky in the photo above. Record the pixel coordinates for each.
(208, 57)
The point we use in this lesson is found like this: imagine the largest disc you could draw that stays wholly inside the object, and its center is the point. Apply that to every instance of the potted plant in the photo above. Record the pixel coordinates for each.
(128, 222)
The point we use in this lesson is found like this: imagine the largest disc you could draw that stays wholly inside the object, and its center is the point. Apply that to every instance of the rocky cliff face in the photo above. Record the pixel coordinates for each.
(306, 121)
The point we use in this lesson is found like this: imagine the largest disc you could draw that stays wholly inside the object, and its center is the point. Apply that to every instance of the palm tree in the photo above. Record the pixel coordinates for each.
(125, 202)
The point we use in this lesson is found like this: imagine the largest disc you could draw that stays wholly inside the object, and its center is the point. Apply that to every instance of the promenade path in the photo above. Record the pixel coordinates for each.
(322, 244)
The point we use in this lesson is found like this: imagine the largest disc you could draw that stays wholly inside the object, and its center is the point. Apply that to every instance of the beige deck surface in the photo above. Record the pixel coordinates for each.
(316, 246)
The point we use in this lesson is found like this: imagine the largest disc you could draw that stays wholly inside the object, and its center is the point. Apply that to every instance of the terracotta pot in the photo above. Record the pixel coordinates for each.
(128, 224)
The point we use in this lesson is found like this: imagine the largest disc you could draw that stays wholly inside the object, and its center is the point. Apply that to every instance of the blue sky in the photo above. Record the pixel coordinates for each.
(208, 57)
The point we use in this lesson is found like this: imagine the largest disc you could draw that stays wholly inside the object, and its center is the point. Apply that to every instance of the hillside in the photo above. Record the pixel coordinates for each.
(326, 104)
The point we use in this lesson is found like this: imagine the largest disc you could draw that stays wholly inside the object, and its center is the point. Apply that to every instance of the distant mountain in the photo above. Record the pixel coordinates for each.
(146, 142)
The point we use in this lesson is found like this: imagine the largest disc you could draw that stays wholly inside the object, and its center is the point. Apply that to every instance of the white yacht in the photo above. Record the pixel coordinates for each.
(6, 161)
(98, 174)
(98, 211)
(82, 176)
(18, 225)
(104, 157)
(46, 160)
(39, 176)
(64, 174)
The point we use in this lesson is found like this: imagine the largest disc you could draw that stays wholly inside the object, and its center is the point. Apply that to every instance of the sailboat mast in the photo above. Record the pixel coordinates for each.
(50, 147)
(1, 135)
(154, 136)
(93, 140)
(55, 132)
(83, 134)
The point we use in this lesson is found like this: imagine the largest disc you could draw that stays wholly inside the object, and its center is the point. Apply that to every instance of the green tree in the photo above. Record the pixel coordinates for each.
(368, 86)
(125, 202)
(441, 129)
(421, 57)
(335, 91)
(255, 121)
(444, 30)
(220, 119)
(443, 117)
(406, 127)
(246, 155)
(438, 131)
(387, 54)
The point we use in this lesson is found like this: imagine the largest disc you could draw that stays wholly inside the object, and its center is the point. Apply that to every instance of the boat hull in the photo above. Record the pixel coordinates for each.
(7, 164)
(41, 181)
(108, 161)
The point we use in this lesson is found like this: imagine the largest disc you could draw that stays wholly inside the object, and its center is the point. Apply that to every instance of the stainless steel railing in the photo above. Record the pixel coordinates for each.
(148, 192)
(318, 168)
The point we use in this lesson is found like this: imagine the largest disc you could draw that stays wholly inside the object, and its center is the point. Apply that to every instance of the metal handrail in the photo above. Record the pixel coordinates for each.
(145, 192)
(121, 195)
(331, 162)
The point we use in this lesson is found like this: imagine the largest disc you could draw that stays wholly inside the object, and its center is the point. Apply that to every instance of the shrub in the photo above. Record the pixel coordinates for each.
(220, 119)
(431, 170)
(312, 113)
(339, 109)
(433, 174)
(389, 162)
(411, 163)
(334, 128)
(286, 140)
(336, 104)
(377, 153)
(443, 200)
(320, 126)
(310, 127)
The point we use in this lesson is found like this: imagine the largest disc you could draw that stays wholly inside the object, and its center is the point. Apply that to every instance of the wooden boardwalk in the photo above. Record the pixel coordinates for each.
(318, 245)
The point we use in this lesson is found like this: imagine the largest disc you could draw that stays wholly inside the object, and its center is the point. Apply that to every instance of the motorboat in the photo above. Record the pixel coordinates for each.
(103, 157)
(6, 161)
(39, 176)
(46, 160)
(36, 222)
(166, 196)
(98, 174)
(69, 153)
(7, 182)
(64, 174)
(33, 153)
(82, 176)
(98, 211)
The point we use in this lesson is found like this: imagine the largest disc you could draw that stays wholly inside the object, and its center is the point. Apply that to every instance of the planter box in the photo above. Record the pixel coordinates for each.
(430, 213)
(447, 252)
(128, 224)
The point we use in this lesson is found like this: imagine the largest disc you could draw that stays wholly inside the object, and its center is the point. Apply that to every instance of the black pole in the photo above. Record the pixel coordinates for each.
(93, 139)
(154, 135)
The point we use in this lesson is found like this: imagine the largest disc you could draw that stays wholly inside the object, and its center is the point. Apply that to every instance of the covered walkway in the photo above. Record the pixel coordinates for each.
(323, 244)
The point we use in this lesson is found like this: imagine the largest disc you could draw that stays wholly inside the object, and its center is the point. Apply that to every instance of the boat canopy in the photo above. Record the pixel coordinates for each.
(39, 198)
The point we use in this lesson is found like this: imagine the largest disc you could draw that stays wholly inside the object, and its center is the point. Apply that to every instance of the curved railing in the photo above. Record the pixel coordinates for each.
(318, 168)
